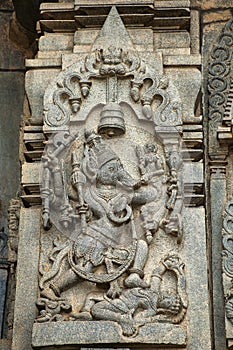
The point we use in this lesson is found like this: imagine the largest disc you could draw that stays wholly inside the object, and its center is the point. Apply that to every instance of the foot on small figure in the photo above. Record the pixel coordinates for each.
(83, 316)
(114, 290)
(128, 328)
(134, 280)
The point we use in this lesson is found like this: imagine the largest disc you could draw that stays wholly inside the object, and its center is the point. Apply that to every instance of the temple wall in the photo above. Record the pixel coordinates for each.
(42, 45)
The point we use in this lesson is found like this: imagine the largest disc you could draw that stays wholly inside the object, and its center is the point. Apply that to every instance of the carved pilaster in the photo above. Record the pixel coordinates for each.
(220, 138)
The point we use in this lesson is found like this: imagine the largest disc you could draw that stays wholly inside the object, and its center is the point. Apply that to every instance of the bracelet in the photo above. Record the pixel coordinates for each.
(156, 275)
(137, 271)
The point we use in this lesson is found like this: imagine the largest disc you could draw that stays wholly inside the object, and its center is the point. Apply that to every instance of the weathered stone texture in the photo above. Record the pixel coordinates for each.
(213, 5)
(71, 333)
(3, 289)
(11, 99)
(25, 310)
(215, 16)
(10, 57)
(77, 83)
(198, 326)
(35, 85)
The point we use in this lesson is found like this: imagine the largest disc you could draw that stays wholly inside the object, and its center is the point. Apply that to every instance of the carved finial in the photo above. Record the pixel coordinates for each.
(114, 33)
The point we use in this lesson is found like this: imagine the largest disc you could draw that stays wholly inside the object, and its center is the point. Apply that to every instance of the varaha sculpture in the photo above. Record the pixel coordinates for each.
(112, 191)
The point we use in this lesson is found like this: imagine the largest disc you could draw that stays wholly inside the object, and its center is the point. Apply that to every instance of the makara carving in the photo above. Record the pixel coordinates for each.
(112, 183)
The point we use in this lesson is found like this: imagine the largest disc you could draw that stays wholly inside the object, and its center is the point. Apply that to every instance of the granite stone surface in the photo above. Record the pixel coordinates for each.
(113, 239)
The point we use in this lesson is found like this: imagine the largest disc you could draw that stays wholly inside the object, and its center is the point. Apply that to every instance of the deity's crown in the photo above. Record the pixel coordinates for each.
(105, 155)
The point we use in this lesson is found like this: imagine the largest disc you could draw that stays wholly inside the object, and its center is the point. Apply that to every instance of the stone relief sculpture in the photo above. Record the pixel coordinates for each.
(112, 184)
(155, 305)
(107, 247)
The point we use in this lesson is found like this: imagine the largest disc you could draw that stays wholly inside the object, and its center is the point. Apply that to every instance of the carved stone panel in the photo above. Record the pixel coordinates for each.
(120, 231)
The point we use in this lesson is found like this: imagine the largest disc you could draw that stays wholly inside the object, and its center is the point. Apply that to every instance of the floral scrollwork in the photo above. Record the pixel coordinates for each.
(67, 99)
